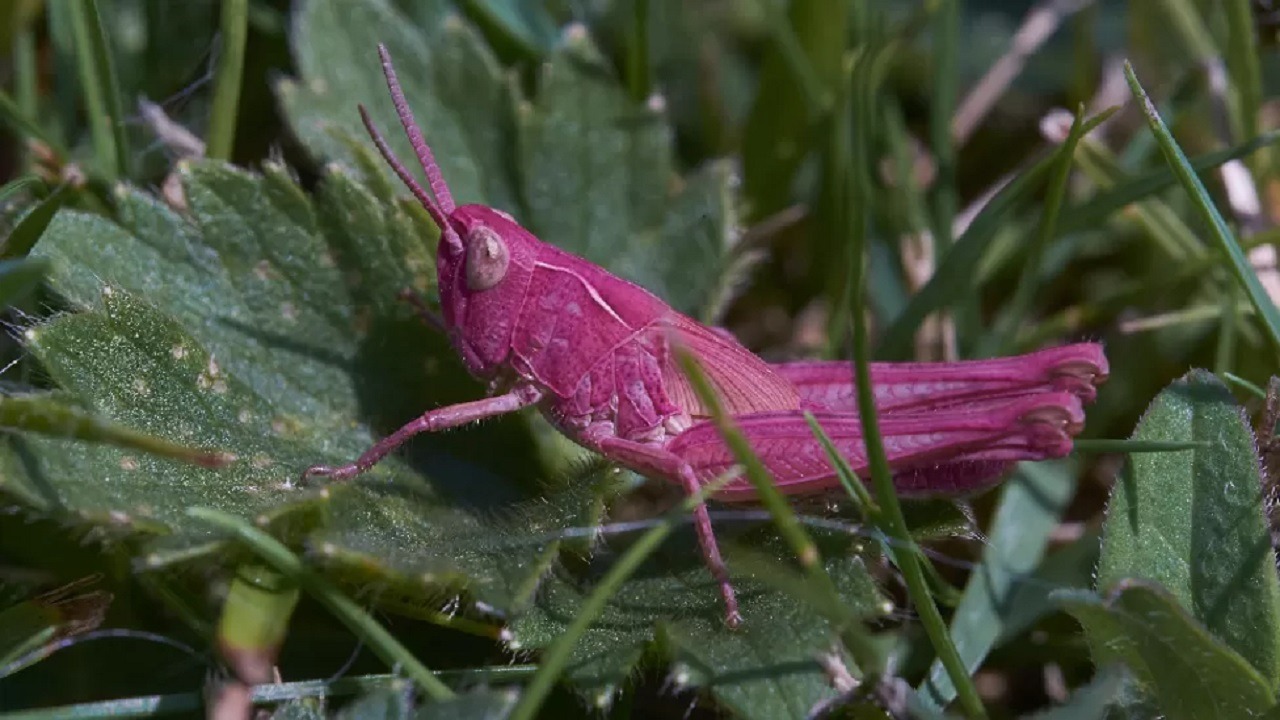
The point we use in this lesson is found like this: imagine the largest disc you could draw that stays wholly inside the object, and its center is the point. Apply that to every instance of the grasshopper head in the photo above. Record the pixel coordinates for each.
(484, 259)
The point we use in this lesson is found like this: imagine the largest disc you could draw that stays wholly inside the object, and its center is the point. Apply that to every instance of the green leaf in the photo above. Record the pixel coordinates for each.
(1191, 674)
(1193, 520)
(1030, 509)
(458, 93)
(279, 341)
(953, 278)
(766, 669)
(42, 414)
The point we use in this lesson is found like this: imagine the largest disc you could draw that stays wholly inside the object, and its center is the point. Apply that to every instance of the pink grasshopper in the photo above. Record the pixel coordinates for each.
(593, 352)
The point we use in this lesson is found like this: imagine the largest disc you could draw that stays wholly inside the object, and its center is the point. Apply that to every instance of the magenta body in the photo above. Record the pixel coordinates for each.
(597, 350)
(595, 354)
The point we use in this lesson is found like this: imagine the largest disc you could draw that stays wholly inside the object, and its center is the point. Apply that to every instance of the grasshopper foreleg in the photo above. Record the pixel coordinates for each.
(438, 419)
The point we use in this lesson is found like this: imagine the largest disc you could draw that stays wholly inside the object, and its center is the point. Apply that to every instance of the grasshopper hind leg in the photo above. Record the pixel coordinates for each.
(657, 461)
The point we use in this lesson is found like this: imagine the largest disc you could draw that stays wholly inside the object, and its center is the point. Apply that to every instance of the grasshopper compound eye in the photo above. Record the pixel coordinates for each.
(487, 259)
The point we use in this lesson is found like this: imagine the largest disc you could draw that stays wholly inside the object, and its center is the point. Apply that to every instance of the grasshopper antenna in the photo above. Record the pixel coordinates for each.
(438, 211)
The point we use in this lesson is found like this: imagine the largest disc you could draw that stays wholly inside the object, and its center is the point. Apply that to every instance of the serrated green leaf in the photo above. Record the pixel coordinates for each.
(1193, 520)
(1191, 674)
(262, 324)
(457, 90)
(767, 668)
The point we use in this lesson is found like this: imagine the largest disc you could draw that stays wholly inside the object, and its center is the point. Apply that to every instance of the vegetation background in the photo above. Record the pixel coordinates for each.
(202, 253)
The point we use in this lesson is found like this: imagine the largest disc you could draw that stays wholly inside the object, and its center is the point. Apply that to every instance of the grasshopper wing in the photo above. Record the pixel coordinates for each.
(946, 452)
(744, 383)
(908, 387)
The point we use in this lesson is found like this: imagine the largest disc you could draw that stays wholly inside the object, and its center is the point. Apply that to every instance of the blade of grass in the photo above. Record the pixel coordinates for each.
(854, 182)
(229, 75)
(1224, 355)
(27, 232)
(1226, 240)
(91, 87)
(1246, 385)
(1187, 24)
(1073, 318)
(866, 505)
(1163, 226)
(106, 67)
(1093, 211)
(21, 124)
(945, 31)
(770, 497)
(1006, 326)
(17, 185)
(25, 71)
(557, 655)
(44, 416)
(280, 558)
(1243, 62)
(638, 80)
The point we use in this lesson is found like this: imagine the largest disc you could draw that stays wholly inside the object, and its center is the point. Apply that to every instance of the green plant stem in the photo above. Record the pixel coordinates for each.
(279, 557)
(1226, 240)
(557, 655)
(848, 478)
(856, 220)
(908, 560)
(226, 85)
